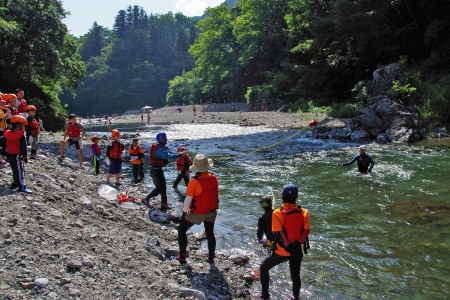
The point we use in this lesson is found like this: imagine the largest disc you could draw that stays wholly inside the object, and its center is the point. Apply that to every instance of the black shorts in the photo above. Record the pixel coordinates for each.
(78, 144)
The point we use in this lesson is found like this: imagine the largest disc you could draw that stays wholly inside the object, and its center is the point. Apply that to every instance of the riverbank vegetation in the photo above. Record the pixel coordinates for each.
(307, 55)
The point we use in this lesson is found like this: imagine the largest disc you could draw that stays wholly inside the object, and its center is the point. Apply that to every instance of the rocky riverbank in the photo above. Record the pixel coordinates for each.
(65, 241)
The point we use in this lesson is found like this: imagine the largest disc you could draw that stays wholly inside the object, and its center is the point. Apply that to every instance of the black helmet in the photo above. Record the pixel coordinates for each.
(265, 202)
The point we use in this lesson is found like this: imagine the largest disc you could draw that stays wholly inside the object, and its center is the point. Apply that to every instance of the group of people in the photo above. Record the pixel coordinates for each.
(18, 129)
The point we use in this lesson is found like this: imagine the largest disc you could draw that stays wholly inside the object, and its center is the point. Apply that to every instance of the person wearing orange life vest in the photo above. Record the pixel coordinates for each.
(137, 160)
(291, 227)
(159, 158)
(17, 152)
(114, 158)
(183, 164)
(73, 130)
(200, 205)
(96, 151)
(32, 130)
(11, 99)
(21, 103)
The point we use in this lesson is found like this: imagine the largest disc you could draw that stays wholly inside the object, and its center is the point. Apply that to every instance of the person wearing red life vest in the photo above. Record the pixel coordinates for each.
(96, 151)
(137, 160)
(32, 130)
(183, 164)
(21, 103)
(75, 131)
(16, 147)
(291, 227)
(159, 158)
(200, 205)
(114, 158)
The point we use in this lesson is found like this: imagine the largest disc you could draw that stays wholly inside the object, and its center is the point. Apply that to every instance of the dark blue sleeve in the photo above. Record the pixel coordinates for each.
(165, 154)
(371, 162)
(352, 161)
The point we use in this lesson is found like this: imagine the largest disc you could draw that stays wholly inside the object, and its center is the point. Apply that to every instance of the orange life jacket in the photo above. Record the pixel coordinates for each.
(13, 141)
(135, 152)
(22, 106)
(183, 163)
(208, 200)
(73, 130)
(34, 126)
(293, 223)
(154, 160)
(116, 151)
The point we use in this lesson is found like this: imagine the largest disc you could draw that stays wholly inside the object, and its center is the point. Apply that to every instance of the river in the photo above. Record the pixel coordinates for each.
(380, 235)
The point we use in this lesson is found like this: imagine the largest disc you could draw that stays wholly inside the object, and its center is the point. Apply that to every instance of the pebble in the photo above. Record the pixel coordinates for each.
(74, 292)
(41, 282)
(79, 224)
(8, 234)
(36, 204)
(7, 241)
(27, 285)
(87, 262)
(4, 286)
(74, 264)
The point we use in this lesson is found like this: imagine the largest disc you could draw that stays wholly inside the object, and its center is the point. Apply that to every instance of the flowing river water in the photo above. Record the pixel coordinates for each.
(380, 235)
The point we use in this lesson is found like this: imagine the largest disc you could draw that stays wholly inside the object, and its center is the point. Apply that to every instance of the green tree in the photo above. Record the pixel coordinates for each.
(182, 46)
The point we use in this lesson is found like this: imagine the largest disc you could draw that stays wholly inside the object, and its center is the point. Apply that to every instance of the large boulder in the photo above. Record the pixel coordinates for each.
(383, 78)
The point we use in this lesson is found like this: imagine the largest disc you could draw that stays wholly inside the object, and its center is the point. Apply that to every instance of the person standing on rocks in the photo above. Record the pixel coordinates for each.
(364, 161)
(183, 164)
(159, 158)
(114, 158)
(32, 130)
(73, 130)
(16, 146)
(194, 108)
(291, 226)
(137, 160)
(96, 151)
(200, 205)
(265, 223)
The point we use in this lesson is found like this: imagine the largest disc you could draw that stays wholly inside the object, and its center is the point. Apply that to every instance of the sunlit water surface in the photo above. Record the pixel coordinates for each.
(382, 235)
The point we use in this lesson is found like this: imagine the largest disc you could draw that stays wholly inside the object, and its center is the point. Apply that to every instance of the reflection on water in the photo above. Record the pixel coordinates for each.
(380, 235)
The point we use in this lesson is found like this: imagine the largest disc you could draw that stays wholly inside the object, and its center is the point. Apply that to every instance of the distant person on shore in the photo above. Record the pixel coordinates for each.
(96, 151)
(194, 108)
(265, 222)
(364, 161)
(183, 164)
(159, 158)
(291, 226)
(137, 160)
(142, 117)
(148, 117)
(200, 205)
(114, 158)
(73, 130)
(203, 108)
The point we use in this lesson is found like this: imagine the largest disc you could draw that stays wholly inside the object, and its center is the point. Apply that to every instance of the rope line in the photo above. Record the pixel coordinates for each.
(259, 149)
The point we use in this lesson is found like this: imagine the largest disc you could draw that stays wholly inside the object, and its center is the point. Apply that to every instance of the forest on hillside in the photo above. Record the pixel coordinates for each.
(306, 54)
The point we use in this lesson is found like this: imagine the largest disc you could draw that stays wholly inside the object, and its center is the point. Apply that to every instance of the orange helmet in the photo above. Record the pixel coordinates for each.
(115, 132)
(94, 137)
(30, 107)
(19, 119)
(9, 97)
(123, 197)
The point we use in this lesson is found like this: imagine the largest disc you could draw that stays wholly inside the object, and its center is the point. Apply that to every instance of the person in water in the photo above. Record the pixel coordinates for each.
(265, 222)
(291, 227)
(364, 161)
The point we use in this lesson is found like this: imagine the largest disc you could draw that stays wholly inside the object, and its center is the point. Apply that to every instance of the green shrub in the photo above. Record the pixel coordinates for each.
(345, 110)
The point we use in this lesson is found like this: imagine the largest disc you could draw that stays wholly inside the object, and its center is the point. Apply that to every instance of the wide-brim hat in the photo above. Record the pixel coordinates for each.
(201, 163)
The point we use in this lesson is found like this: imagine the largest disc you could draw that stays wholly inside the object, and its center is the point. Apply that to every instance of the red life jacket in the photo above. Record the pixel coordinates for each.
(116, 151)
(73, 130)
(208, 200)
(135, 152)
(183, 163)
(154, 160)
(34, 125)
(97, 149)
(22, 106)
(13, 110)
(13, 141)
(293, 223)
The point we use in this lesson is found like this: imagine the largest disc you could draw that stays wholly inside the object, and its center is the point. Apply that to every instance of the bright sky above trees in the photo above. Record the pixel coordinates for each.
(85, 12)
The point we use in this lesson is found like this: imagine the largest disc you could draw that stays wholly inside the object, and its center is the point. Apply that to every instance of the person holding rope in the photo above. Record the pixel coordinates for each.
(291, 227)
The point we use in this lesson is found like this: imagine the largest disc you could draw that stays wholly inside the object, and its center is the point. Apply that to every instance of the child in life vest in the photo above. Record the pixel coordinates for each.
(32, 130)
(183, 164)
(3, 116)
(75, 131)
(265, 222)
(137, 160)
(96, 151)
(114, 158)
(16, 146)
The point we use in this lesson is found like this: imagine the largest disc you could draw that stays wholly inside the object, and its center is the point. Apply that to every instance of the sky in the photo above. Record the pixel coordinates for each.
(83, 13)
